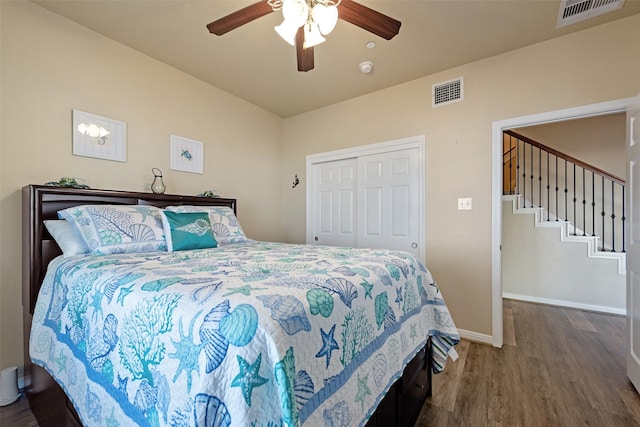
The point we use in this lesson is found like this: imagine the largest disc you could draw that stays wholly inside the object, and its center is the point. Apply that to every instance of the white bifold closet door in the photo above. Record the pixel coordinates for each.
(371, 201)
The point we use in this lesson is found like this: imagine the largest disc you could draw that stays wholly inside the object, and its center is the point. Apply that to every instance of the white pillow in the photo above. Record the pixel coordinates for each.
(67, 237)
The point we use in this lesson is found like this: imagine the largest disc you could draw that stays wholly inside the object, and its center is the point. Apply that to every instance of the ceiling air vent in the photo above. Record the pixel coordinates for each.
(447, 92)
(572, 11)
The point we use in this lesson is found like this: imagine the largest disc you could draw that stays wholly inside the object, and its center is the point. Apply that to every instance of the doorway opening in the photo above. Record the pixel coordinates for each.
(591, 110)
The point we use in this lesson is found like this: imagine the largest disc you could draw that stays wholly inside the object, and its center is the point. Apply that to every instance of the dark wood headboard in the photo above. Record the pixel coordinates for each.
(41, 202)
(47, 400)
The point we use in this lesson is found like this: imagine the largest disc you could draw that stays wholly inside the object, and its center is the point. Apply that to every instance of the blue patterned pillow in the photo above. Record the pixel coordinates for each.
(224, 223)
(116, 229)
(189, 230)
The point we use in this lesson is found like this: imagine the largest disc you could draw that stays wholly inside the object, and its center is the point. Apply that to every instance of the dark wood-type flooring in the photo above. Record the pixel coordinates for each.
(558, 367)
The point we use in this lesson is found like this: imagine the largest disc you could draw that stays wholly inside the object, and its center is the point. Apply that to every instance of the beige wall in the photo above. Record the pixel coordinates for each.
(599, 141)
(591, 66)
(51, 66)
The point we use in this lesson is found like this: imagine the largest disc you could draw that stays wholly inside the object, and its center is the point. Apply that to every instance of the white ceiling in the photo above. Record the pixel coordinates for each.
(254, 63)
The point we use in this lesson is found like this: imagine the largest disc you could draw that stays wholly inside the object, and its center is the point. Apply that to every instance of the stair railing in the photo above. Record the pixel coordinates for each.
(567, 188)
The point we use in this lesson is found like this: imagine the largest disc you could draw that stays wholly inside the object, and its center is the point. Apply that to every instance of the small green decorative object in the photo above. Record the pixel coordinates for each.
(209, 193)
(67, 181)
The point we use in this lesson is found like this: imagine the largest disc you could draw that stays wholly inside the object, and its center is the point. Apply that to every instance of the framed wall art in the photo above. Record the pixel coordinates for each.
(99, 137)
(186, 154)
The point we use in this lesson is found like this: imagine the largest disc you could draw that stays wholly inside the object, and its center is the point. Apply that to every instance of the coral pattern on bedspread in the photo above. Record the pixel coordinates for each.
(249, 334)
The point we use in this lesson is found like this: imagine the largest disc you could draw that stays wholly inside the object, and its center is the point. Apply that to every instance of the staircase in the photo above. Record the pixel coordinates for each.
(567, 232)
(544, 191)
(591, 200)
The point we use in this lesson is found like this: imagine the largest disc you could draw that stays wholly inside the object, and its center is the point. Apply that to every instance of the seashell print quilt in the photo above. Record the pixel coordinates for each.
(248, 334)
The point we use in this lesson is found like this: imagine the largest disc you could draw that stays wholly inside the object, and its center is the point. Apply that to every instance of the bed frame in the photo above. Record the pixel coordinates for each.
(51, 407)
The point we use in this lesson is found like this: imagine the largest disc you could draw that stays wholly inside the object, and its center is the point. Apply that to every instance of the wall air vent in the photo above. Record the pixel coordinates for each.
(447, 92)
(572, 11)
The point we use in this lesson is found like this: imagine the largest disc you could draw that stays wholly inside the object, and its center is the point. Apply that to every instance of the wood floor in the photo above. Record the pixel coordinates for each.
(17, 414)
(558, 367)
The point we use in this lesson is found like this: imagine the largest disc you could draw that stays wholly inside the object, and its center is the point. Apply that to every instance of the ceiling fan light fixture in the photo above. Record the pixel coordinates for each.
(287, 32)
(306, 21)
(312, 36)
(326, 16)
(295, 12)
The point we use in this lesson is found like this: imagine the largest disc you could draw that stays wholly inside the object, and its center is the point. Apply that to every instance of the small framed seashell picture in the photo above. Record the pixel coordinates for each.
(99, 137)
(186, 154)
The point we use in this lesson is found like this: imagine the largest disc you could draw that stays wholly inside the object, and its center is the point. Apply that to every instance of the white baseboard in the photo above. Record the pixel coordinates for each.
(475, 336)
(569, 304)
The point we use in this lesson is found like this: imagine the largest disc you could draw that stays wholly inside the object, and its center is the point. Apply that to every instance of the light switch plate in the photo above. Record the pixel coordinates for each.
(464, 204)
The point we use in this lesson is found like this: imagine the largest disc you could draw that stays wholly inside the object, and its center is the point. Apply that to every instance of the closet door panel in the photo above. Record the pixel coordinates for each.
(372, 215)
(400, 215)
(334, 202)
(346, 210)
(388, 200)
(325, 199)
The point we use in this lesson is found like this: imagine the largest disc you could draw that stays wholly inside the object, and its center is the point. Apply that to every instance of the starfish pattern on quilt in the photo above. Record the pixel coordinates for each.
(363, 390)
(328, 344)
(248, 378)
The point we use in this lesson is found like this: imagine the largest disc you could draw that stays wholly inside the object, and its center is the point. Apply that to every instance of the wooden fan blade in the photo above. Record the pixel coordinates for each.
(368, 19)
(239, 18)
(305, 56)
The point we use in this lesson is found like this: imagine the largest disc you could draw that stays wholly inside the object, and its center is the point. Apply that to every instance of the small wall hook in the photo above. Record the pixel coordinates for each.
(296, 181)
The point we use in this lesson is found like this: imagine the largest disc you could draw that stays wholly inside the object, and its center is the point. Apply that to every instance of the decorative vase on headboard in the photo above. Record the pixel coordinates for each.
(157, 186)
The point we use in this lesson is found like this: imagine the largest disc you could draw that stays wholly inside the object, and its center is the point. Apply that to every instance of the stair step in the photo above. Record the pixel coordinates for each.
(565, 235)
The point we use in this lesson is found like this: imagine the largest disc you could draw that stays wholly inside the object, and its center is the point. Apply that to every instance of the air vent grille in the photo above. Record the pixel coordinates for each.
(447, 92)
(572, 11)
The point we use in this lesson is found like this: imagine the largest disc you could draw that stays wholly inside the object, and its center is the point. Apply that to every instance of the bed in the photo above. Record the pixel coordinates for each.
(243, 333)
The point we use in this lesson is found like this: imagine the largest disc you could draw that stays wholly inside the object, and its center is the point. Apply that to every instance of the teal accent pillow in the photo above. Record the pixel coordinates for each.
(190, 230)
(224, 224)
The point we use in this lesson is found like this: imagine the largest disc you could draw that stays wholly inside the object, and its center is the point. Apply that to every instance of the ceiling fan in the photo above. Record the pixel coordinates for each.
(305, 21)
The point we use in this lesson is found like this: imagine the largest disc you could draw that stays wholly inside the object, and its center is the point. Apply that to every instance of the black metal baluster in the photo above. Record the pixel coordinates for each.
(623, 217)
(613, 216)
(505, 153)
(511, 189)
(524, 176)
(532, 191)
(539, 178)
(557, 211)
(566, 219)
(575, 217)
(548, 203)
(518, 166)
(593, 204)
(603, 213)
(584, 204)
